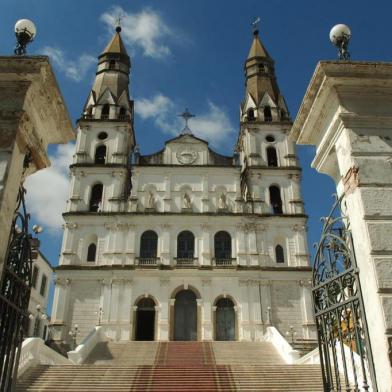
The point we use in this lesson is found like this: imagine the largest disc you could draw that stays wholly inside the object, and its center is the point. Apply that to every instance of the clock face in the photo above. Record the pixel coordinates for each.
(187, 157)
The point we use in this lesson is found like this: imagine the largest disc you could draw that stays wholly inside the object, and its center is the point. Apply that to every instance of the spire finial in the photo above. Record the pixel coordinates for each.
(118, 24)
(186, 115)
(255, 25)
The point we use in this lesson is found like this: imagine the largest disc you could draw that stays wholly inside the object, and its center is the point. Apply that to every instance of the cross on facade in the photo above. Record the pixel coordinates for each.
(186, 115)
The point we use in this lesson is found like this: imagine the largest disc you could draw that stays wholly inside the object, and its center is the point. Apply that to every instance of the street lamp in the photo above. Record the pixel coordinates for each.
(291, 333)
(269, 315)
(25, 32)
(340, 35)
(100, 314)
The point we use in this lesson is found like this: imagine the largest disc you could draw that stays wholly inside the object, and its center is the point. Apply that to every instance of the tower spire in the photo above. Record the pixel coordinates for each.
(109, 97)
(260, 79)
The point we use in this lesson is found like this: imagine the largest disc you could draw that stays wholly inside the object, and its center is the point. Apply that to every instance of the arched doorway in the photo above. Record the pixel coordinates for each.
(185, 316)
(145, 319)
(225, 320)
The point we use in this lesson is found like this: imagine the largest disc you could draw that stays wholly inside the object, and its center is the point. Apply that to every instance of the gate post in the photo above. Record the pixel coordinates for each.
(347, 114)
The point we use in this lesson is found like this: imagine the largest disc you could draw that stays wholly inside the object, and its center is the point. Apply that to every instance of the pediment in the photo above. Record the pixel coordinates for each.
(106, 97)
(249, 103)
(123, 100)
(267, 101)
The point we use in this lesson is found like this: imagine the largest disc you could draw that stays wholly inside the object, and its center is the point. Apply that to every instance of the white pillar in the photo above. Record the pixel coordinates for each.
(60, 307)
(347, 115)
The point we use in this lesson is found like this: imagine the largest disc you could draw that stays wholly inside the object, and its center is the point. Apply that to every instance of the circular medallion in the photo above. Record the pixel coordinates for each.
(187, 157)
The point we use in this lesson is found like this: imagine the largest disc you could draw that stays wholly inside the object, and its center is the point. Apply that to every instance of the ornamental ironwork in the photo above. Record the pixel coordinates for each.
(345, 352)
(15, 287)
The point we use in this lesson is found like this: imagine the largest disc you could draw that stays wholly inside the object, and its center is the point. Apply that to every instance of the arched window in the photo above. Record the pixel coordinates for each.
(251, 114)
(272, 158)
(89, 112)
(267, 114)
(222, 246)
(185, 245)
(148, 245)
(112, 64)
(96, 197)
(91, 252)
(122, 113)
(100, 154)
(105, 111)
(279, 254)
(275, 200)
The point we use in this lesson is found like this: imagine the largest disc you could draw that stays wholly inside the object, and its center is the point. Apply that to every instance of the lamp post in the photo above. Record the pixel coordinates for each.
(74, 332)
(340, 35)
(269, 315)
(291, 333)
(100, 314)
(25, 32)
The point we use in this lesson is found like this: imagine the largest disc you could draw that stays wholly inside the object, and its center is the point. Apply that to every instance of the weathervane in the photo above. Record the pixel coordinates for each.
(186, 115)
(255, 25)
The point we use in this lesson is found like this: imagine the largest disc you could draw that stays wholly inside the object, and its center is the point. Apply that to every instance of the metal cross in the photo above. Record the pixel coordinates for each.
(118, 23)
(186, 115)
(255, 24)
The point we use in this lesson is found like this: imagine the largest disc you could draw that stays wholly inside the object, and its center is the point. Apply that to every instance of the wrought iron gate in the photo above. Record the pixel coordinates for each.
(15, 293)
(345, 352)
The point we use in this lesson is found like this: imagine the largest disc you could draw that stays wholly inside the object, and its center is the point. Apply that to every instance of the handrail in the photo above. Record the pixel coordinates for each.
(81, 352)
(35, 352)
(284, 348)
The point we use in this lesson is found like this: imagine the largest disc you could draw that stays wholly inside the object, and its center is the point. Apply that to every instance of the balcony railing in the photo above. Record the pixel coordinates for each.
(186, 262)
(147, 261)
(224, 262)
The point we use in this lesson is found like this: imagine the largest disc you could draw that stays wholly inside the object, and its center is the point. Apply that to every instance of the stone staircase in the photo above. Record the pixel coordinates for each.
(176, 366)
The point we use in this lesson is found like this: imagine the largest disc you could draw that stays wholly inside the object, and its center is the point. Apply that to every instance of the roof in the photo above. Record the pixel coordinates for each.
(257, 49)
(116, 45)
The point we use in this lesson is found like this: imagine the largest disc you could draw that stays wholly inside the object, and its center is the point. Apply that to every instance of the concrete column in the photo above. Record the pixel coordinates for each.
(241, 245)
(252, 244)
(130, 242)
(60, 308)
(207, 326)
(206, 257)
(165, 245)
(347, 115)
(245, 333)
(164, 321)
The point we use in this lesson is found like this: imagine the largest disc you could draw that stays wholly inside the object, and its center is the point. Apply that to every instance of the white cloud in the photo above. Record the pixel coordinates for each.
(214, 125)
(145, 29)
(48, 189)
(75, 70)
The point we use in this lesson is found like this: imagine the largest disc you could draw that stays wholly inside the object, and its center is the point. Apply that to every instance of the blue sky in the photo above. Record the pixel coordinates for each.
(189, 54)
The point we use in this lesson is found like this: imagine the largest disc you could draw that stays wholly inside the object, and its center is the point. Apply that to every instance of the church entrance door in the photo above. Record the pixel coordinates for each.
(145, 319)
(185, 316)
(225, 319)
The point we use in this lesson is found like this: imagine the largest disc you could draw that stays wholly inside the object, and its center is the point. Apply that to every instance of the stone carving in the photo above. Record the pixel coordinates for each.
(186, 202)
(222, 202)
(187, 157)
(151, 200)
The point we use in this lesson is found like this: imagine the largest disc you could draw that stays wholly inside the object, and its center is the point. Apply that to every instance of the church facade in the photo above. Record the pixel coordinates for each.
(183, 244)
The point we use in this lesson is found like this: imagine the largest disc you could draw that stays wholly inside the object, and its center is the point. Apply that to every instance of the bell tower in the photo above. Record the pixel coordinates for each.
(270, 173)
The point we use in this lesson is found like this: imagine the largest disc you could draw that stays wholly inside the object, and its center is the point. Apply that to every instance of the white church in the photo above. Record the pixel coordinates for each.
(183, 244)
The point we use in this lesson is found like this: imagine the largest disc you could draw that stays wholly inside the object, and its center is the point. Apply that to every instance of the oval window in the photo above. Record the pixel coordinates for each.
(102, 135)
